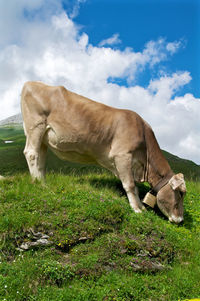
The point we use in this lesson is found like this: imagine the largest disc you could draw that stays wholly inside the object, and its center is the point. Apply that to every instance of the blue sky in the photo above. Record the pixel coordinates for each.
(138, 21)
(138, 55)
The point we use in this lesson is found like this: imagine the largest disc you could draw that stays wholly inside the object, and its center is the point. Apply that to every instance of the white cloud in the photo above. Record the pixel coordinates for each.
(111, 41)
(18, 18)
(174, 47)
(53, 50)
(75, 8)
(165, 86)
(160, 50)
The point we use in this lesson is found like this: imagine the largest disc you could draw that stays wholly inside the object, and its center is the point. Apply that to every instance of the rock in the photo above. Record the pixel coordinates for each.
(24, 246)
(34, 239)
(84, 238)
(45, 236)
(31, 244)
(42, 242)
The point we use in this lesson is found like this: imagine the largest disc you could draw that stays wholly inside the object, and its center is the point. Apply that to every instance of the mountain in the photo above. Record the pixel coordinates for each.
(15, 119)
(190, 169)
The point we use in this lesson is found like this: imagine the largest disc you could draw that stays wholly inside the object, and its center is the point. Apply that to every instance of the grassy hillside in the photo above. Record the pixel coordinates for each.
(187, 167)
(76, 238)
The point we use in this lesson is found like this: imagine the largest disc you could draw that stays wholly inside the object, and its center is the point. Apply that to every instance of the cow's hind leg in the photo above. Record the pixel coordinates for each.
(35, 152)
(123, 164)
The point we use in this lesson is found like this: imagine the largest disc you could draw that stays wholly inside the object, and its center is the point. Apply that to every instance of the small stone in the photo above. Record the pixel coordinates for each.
(24, 246)
(45, 236)
(83, 238)
(43, 242)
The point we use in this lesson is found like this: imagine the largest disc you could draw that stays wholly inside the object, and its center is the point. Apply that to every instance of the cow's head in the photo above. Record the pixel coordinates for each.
(170, 198)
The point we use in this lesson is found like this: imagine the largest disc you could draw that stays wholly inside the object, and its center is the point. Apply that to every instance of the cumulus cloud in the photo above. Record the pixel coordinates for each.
(164, 87)
(53, 50)
(18, 18)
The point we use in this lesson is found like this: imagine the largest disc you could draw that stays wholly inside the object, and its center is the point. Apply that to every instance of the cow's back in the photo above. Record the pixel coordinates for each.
(75, 123)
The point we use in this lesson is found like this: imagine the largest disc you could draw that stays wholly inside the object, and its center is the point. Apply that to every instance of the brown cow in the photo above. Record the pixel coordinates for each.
(81, 130)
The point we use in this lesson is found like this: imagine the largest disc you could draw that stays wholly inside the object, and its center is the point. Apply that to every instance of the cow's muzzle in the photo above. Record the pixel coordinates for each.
(175, 219)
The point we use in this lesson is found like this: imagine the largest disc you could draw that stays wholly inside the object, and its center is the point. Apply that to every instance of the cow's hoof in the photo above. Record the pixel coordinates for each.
(140, 210)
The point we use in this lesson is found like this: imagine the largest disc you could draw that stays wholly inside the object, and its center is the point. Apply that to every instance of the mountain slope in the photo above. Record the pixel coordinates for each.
(190, 169)
(15, 119)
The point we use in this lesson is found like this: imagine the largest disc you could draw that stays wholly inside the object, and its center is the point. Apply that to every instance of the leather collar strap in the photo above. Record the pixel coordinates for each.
(161, 184)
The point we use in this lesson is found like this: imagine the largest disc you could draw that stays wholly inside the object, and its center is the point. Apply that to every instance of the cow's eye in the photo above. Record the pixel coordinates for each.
(181, 193)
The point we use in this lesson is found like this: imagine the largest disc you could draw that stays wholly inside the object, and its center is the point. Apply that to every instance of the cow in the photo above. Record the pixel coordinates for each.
(81, 130)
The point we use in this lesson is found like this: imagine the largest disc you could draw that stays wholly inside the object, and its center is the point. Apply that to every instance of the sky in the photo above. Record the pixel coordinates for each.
(135, 54)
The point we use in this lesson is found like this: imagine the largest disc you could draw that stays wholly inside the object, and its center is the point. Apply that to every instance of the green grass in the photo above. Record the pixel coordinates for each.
(100, 249)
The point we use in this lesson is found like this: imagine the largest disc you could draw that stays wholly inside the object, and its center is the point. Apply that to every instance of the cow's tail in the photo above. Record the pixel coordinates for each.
(22, 107)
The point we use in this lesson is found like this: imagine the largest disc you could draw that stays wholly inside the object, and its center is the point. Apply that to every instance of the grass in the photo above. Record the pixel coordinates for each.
(99, 248)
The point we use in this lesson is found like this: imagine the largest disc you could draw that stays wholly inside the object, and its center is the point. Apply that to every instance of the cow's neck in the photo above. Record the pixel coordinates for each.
(158, 176)
(157, 167)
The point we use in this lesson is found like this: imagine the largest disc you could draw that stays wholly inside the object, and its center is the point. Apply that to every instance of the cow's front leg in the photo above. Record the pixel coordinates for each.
(36, 161)
(35, 152)
(123, 164)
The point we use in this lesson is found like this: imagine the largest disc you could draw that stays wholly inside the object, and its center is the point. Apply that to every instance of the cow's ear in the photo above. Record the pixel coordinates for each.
(177, 182)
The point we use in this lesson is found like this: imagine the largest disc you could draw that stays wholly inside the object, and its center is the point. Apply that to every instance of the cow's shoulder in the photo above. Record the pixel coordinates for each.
(42, 88)
(130, 120)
